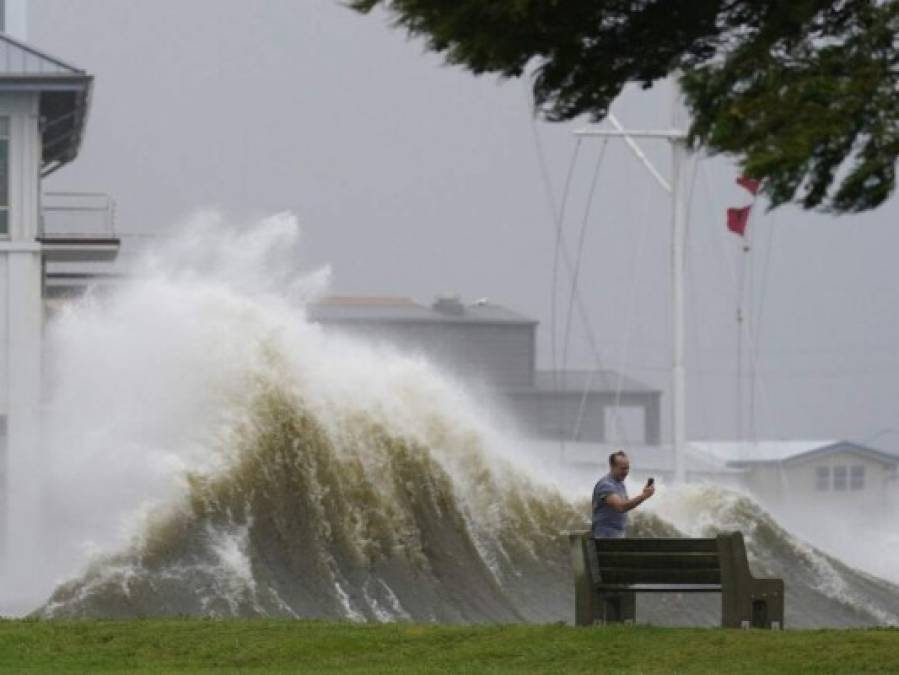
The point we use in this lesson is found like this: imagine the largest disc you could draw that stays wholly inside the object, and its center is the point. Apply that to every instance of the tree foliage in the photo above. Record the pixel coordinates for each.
(802, 92)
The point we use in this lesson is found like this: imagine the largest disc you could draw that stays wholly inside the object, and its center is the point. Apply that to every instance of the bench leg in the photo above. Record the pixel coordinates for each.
(746, 601)
(586, 598)
(768, 603)
(761, 605)
(617, 608)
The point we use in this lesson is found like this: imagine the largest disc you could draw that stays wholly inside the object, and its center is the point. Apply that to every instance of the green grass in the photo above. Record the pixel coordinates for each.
(277, 646)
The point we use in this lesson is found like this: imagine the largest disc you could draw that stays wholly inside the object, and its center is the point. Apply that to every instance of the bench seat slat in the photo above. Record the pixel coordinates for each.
(684, 561)
(670, 545)
(661, 588)
(631, 575)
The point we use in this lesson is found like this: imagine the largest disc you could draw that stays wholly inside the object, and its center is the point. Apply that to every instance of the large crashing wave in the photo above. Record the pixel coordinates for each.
(360, 523)
(292, 472)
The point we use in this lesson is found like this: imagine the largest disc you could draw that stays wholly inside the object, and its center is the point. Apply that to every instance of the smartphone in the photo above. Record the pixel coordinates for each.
(650, 482)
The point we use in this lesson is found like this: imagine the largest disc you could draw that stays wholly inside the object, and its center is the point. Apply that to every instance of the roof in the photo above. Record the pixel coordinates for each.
(579, 381)
(366, 309)
(18, 58)
(64, 96)
(644, 458)
(743, 453)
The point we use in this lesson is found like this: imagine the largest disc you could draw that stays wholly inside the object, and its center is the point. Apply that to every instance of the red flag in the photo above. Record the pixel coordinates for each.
(749, 183)
(737, 219)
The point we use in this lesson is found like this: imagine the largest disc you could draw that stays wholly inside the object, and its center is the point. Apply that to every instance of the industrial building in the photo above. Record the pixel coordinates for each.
(491, 345)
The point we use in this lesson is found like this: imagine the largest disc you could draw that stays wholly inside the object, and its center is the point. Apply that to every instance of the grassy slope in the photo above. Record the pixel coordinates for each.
(195, 645)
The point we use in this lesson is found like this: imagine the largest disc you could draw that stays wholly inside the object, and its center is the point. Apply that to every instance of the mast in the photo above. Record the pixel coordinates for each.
(676, 188)
(678, 365)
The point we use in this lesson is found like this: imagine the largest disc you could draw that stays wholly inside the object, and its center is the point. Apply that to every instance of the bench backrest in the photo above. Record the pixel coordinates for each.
(656, 561)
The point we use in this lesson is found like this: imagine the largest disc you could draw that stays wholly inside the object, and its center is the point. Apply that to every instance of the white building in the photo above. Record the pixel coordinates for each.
(834, 477)
(43, 108)
(828, 479)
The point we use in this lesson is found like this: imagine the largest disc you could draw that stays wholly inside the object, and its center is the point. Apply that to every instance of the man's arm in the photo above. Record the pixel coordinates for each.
(623, 505)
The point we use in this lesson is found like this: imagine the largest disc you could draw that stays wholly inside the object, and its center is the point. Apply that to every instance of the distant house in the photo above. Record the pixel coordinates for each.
(833, 475)
(830, 478)
(495, 346)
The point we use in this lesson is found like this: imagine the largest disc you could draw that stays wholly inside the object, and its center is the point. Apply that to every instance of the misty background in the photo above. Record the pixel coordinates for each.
(412, 178)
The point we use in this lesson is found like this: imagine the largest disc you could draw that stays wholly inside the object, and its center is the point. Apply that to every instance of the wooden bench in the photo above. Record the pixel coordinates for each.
(608, 573)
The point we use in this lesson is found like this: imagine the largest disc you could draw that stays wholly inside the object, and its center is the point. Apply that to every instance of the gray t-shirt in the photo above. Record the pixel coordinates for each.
(607, 522)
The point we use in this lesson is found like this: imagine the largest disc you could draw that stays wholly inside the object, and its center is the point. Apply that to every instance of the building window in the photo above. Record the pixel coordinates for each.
(822, 478)
(857, 477)
(4, 176)
(839, 478)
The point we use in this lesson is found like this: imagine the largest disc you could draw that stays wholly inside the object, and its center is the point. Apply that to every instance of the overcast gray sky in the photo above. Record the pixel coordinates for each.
(413, 178)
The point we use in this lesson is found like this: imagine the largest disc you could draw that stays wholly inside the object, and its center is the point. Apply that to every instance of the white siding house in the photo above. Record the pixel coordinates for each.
(838, 477)
(43, 108)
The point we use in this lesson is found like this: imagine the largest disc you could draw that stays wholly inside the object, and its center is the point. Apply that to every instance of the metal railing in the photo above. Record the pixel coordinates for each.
(77, 214)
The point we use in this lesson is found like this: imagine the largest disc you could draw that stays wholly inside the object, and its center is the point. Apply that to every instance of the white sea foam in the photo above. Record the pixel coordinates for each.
(148, 383)
(698, 510)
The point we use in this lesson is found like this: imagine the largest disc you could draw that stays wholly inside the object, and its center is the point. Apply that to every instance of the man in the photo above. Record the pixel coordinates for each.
(610, 501)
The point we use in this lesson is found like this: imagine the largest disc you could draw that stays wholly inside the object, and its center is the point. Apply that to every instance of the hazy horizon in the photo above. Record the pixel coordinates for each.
(413, 178)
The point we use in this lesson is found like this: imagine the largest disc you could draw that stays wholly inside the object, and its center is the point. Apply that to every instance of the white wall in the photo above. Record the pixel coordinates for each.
(24, 164)
(21, 317)
(16, 19)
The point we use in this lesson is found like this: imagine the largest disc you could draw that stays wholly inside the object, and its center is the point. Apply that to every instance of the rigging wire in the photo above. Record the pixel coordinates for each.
(758, 314)
(763, 394)
(767, 266)
(629, 321)
(691, 279)
(558, 217)
(562, 252)
(746, 324)
(619, 384)
(582, 237)
(750, 319)
(575, 278)
(741, 284)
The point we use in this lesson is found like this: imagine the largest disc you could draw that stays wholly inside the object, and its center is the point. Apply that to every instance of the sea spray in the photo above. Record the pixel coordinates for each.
(373, 529)
(702, 511)
(211, 452)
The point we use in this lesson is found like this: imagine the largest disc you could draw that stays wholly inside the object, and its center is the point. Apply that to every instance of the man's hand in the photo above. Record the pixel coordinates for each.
(620, 505)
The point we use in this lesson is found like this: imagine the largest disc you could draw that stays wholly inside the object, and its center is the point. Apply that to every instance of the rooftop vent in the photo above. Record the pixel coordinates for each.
(449, 304)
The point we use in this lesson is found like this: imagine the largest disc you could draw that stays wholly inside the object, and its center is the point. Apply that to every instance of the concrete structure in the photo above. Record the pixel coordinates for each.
(579, 405)
(494, 346)
(43, 107)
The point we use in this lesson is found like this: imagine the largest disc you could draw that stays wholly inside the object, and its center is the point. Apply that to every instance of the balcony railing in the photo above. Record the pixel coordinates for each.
(76, 215)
